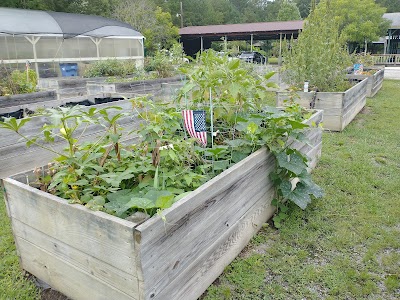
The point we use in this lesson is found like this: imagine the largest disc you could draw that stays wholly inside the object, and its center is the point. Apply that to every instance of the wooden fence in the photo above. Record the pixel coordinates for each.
(386, 59)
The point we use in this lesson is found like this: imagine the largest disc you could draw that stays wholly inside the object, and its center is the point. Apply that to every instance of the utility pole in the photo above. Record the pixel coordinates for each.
(181, 15)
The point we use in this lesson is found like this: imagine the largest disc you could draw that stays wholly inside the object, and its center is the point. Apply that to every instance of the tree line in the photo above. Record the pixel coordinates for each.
(159, 20)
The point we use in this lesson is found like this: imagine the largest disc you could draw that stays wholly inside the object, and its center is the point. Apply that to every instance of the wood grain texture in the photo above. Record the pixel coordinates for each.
(177, 259)
(211, 263)
(334, 105)
(92, 232)
(64, 277)
(102, 271)
(15, 157)
(376, 83)
(196, 222)
(198, 225)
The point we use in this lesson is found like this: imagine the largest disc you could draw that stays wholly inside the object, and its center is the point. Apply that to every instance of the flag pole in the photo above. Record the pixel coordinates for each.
(212, 121)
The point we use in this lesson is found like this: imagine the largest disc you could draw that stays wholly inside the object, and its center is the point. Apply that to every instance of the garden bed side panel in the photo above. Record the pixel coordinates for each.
(205, 231)
(15, 157)
(75, 250)
(80, 252)
(339, 108)
(128, 89)
(330, 103)
(354, 101)
(375, 81)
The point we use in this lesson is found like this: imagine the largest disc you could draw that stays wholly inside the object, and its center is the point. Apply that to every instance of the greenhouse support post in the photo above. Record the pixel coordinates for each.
(33, 41)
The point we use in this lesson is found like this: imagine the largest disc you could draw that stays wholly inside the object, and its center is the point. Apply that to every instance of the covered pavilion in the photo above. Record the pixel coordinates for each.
(199, 38)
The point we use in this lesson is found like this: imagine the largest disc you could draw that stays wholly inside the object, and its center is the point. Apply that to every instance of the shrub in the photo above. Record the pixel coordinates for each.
(160, 63)
(110, 67)
(18, 82)
(319, 55)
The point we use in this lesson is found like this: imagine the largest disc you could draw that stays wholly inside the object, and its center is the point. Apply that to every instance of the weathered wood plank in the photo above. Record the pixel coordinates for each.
(15, 157)
(113, 276)
(37, 122)
(22, 159)
(333, 104)
(203, 270)
(374, 81)
(377, 82)
(352, 111)
(92, 232)
(171, 252)
(65, 277)
(356, 93)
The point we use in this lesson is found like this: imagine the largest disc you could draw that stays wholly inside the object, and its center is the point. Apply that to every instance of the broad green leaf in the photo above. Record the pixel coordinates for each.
(297, 124)
(237, 143)
(233, 64)
(221, 164)
(293, 163)
(299, 195)
(141, 203)
(181, 196)
(187, 87)
(216, 151)
(154, 194)
(252, 128)
(188, 179)
(269, 75)
(96, 203)
(81, 182)
(164, 202)
(118, 200)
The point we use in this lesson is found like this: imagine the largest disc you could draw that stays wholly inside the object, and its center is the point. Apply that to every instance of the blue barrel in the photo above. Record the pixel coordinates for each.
(69, 69)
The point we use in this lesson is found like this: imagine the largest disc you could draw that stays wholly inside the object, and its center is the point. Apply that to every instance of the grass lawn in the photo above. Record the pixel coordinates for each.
(345, 246)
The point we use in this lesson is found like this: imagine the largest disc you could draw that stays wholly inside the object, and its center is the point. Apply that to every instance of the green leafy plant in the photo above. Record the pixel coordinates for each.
(18, 82)
(161, 63)
(111, 67)
(319, 55)
(149, 176)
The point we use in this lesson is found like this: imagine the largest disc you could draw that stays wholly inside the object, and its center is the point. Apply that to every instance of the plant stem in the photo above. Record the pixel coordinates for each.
(41, 146)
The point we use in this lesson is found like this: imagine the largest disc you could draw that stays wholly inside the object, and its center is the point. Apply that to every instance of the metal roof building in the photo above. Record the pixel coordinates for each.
(49, 38)
(392, 40)
(196, 38)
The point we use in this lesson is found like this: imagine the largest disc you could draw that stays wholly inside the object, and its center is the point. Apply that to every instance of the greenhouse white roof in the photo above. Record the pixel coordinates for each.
(35, 22)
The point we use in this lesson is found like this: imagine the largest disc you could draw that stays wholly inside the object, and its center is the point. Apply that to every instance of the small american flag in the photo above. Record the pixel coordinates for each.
(195, 123)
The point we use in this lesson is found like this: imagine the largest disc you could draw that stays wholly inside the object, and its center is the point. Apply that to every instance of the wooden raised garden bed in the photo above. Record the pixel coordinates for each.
(15, 157)
(375, 80)
(340, 108)
(80, 252)
(132, 88)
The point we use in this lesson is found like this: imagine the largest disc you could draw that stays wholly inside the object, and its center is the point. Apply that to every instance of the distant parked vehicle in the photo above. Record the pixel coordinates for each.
(253, 57)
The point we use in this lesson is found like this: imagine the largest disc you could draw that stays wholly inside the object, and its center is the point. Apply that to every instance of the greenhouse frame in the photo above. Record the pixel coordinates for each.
(44, 41)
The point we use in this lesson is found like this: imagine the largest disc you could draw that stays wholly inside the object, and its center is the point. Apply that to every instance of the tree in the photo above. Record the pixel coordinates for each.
(155, 24)
(288, 11)
(359, 20)
(391, 5)
(139, 13)
(163, 34)
(319, 55)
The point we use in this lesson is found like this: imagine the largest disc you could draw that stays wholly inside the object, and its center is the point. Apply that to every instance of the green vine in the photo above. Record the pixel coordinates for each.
(142, 179)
